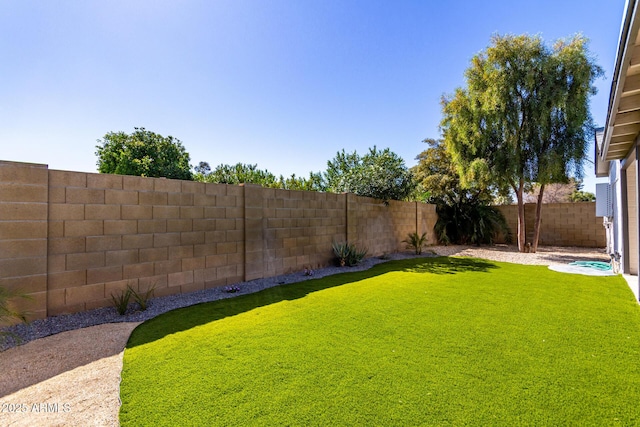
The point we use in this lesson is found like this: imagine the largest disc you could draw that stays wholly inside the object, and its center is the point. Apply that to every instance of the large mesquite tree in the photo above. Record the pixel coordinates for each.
(524, 116)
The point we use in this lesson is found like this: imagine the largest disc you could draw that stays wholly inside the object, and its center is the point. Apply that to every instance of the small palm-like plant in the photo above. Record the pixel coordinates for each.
(416, 242)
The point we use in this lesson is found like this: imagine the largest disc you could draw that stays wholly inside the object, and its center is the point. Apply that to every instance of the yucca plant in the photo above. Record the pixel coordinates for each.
(416, 242)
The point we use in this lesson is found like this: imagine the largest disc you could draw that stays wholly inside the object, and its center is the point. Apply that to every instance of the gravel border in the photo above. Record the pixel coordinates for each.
(547, 255)
(40, 328)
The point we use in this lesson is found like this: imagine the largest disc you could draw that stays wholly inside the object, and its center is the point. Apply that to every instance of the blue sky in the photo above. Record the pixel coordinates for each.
(284, 84)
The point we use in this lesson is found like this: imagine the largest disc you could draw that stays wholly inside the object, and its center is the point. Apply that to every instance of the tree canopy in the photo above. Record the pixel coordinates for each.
(241, 173)
(380, 174)
(523, 117)
(143, 153)
(465, 214)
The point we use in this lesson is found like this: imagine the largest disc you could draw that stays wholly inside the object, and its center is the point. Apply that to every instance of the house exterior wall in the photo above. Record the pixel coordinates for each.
(632, 215)
(70, 240)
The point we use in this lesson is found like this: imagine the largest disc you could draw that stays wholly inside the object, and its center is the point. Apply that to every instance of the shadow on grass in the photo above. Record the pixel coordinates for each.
(183, 319)
(449, 265)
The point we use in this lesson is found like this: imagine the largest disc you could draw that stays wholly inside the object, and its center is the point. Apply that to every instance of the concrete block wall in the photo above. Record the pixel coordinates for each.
(562, 224)
(23, 234)
(298, 229)
(107, 232)
(370, 225)
(382, 228)
(426, 221)
(70, 239)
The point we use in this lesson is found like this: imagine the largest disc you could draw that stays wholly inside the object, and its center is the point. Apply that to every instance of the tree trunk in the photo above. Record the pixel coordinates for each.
(536, 228)
(521, 229)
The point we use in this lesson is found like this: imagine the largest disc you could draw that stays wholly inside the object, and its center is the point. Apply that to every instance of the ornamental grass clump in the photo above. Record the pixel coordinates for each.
(121, 301)
(142, 298)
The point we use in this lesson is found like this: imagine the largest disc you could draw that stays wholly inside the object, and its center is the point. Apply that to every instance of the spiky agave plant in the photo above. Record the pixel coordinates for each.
(348, 254)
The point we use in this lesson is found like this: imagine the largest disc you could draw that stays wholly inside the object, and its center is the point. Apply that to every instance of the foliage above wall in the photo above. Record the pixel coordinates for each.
(143, 153)
(380, 174)
(241, 173)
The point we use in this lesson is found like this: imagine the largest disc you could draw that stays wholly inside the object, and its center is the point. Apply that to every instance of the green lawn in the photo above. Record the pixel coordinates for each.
(432, 341)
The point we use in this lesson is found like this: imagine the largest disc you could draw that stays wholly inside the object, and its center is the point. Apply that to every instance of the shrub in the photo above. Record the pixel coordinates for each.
(416, 242)
(348, 254)
(470, 223)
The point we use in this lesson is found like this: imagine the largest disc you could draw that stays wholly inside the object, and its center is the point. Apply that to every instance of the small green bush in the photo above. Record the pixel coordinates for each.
(348, 254)
(416, 242)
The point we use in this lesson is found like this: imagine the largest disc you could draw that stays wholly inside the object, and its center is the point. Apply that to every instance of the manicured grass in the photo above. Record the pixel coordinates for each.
(433, 341)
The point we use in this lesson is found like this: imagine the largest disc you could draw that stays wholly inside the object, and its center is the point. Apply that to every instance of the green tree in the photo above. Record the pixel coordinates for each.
(380, 174)
(143, 153)
(239, 173)
(578, 195)
(313, 183)
(465, 214)
(523, 117)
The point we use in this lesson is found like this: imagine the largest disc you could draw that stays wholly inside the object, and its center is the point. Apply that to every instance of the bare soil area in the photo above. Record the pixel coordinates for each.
(73, 378)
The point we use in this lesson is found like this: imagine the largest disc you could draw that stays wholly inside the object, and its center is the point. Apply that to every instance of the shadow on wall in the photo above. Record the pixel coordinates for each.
(189, 317)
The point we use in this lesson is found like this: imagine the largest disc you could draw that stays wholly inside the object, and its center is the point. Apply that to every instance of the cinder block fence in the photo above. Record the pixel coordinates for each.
(70, 239)
(562, 224)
